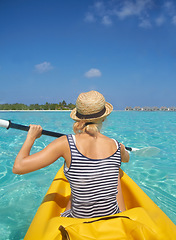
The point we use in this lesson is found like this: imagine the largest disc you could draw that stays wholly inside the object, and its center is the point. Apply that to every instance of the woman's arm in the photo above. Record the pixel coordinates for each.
(124, 154)
(25, 163)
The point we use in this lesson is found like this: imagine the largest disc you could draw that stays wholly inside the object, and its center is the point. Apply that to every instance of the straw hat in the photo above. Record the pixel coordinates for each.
(91, 106)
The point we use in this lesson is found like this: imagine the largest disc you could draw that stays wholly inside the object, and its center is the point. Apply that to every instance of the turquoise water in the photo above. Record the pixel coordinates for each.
(20, 196)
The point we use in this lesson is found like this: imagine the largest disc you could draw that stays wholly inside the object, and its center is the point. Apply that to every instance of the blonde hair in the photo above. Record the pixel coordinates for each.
(88, 127)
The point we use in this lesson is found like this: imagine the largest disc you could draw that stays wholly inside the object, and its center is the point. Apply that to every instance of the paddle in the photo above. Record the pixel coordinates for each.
(147, 151)
(8, 124)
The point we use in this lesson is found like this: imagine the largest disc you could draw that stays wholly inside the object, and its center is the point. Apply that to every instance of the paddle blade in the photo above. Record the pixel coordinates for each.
(4, 123)
(147, 151)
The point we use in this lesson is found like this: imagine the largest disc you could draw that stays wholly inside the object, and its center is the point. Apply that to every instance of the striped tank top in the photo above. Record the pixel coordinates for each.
(93, 183)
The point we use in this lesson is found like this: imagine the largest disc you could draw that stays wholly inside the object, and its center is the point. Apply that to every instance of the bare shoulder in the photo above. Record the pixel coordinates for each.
(60, 140)
(107, 139)
(59, 144)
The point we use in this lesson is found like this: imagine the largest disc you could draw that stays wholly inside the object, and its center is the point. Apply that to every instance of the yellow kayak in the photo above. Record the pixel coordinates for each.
(143, 219)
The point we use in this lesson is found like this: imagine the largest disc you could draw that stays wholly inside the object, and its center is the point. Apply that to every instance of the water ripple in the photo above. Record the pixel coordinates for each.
(20, 196)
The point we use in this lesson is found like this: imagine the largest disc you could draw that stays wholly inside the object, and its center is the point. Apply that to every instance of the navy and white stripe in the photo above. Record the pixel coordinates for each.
(93, 183)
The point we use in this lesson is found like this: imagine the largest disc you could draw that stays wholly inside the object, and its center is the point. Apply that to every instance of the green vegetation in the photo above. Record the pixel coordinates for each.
(47, 106)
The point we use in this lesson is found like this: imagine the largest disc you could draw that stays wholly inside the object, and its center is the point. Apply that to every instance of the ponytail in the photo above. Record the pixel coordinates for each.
(89, 127)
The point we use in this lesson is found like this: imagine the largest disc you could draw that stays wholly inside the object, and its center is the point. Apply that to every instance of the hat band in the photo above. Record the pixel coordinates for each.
(94, 115)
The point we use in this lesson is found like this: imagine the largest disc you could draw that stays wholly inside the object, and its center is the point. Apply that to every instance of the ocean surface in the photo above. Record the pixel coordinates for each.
(20, 196)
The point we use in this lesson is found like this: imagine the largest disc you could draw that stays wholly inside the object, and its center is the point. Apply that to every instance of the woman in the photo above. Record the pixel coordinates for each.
(92, 160)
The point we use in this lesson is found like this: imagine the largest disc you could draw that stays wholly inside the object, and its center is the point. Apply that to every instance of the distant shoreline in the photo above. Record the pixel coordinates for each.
(71, 110)
(35, 110)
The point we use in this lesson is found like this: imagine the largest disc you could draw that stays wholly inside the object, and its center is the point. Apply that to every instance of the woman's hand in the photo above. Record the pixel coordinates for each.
(124, 154)
(35, 131)
(122, 147)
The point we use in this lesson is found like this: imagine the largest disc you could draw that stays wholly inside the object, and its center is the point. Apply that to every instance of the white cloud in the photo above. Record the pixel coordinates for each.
(106, 21)
(145, 23)
(133, 8)
(43, 67)
(107, 11)
(169, 7)
(100, 8)
(160, 20)
(174, 20)
(168, 4)
(93, 72)
(89, 17)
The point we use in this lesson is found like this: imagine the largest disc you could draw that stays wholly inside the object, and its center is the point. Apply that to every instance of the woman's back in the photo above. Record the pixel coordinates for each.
(93, 177)
(95, 147)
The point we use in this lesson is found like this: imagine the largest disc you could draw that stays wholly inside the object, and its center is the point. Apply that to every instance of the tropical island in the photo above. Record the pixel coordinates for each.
(64, 106)
(47, 106)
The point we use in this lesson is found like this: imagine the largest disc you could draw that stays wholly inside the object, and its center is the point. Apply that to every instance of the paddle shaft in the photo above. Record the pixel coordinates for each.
(9, 124)
(26, 128)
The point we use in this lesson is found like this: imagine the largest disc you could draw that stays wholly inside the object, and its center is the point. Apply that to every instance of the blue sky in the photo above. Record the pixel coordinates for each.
(51, 50)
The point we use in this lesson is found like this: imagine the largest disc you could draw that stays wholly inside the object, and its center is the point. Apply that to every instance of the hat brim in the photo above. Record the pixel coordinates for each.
(108, 108)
